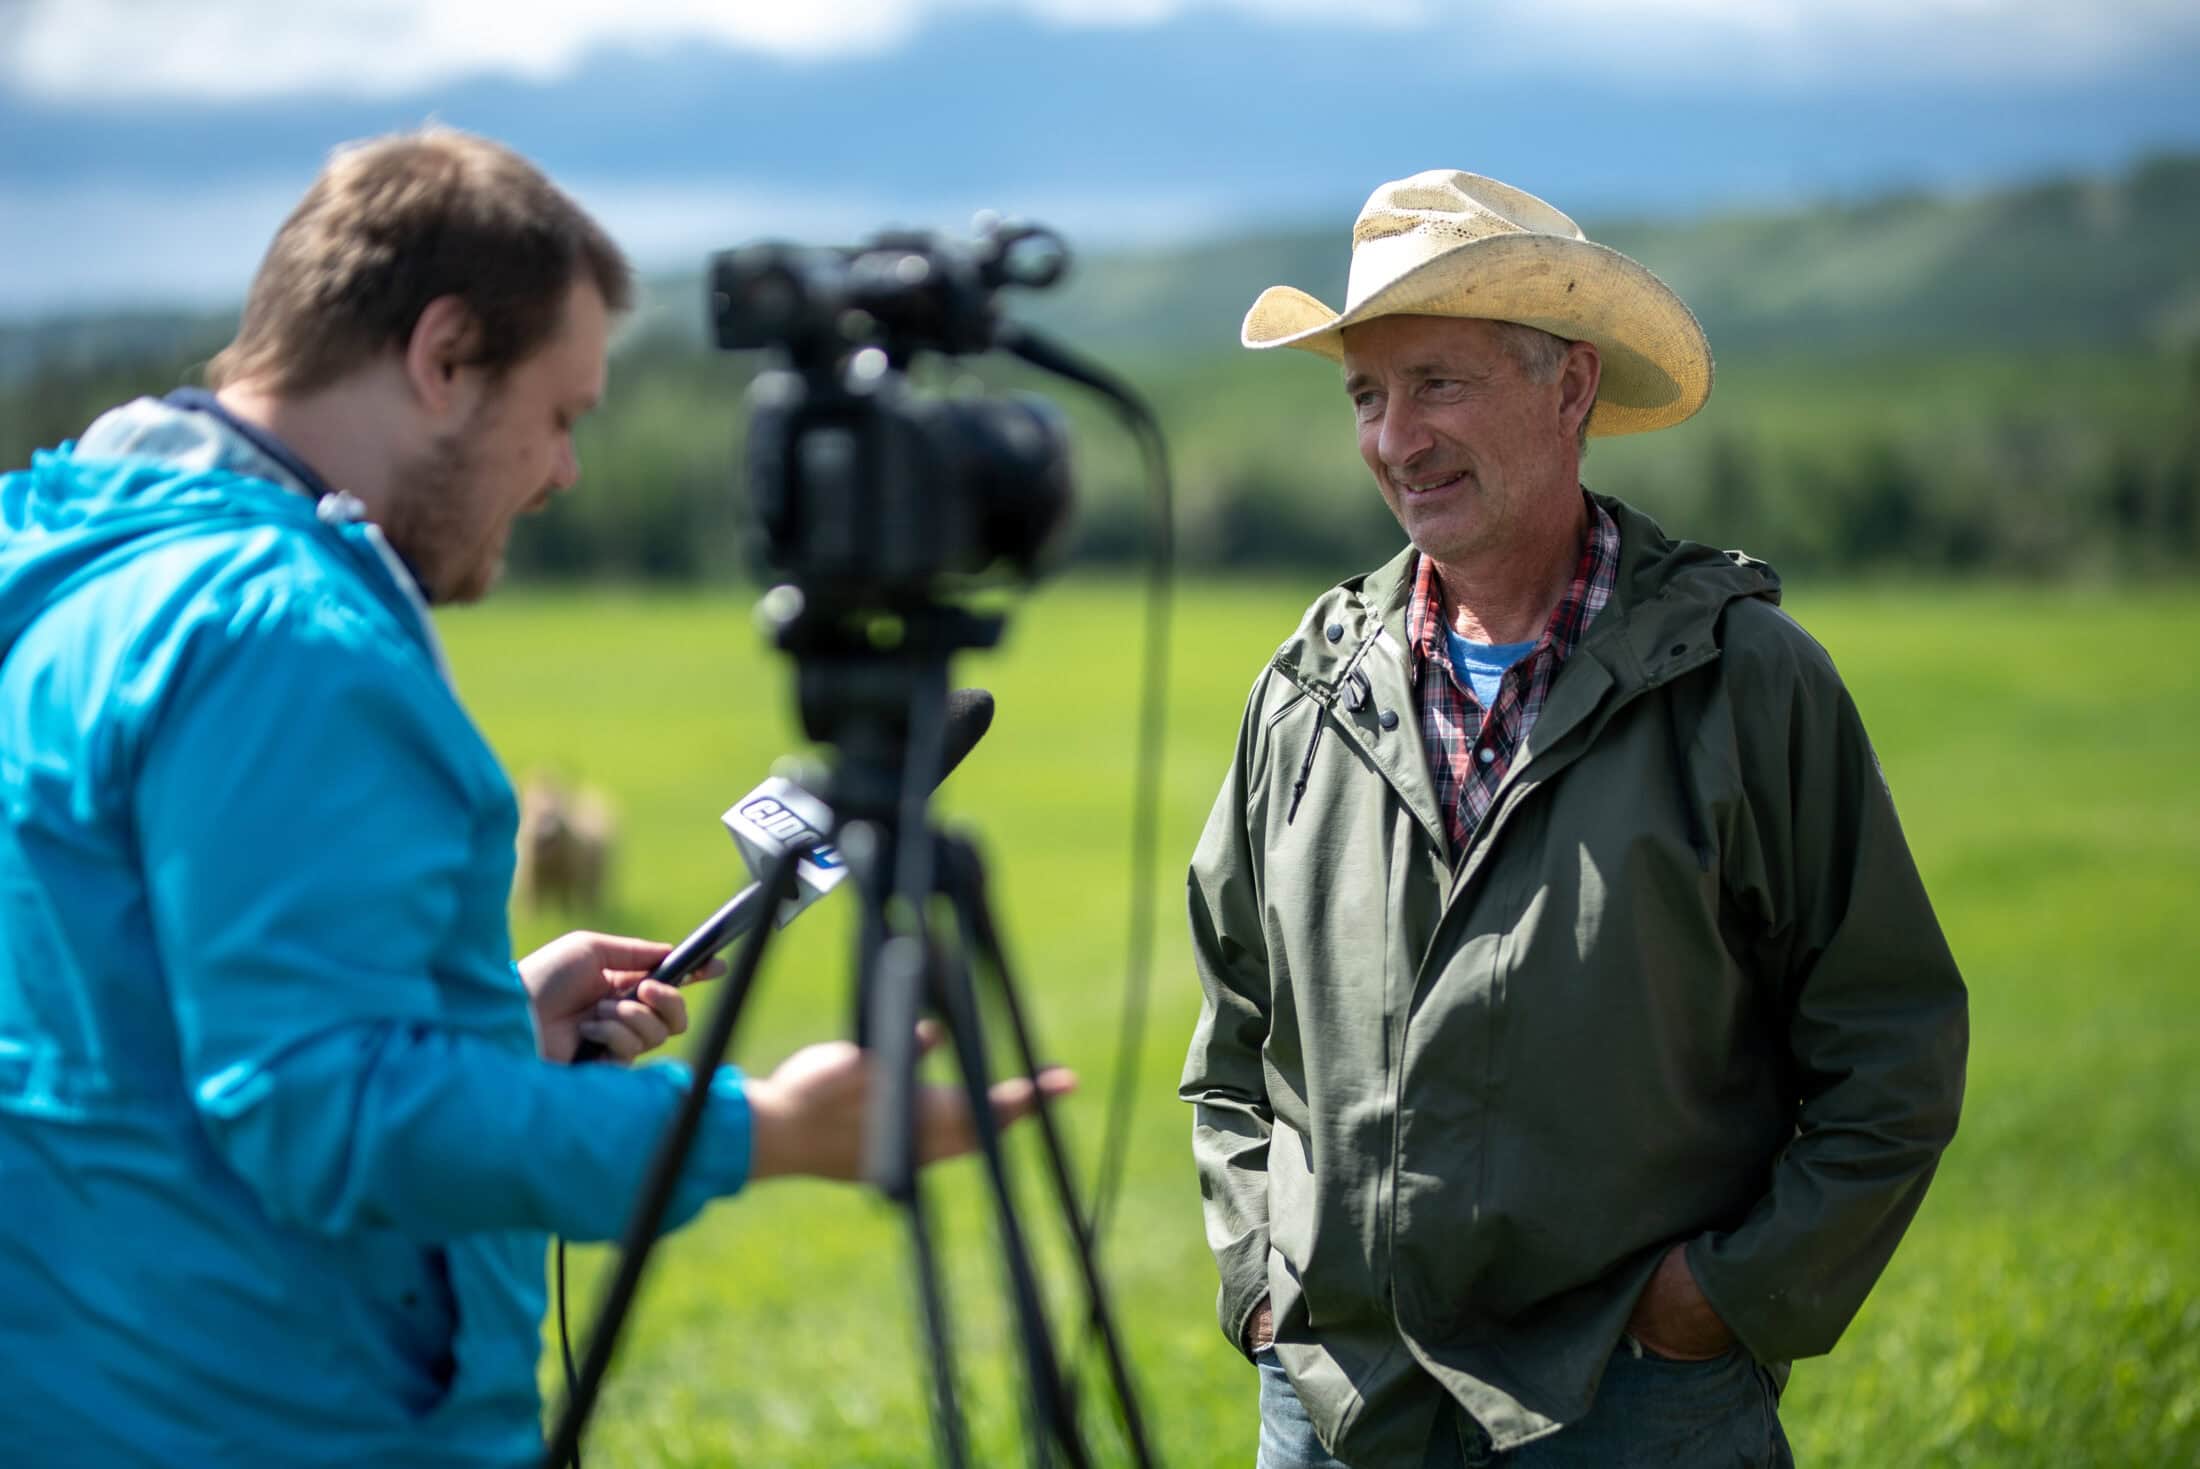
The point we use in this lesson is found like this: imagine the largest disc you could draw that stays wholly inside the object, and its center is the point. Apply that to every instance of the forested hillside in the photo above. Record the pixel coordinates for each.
(2009, 380)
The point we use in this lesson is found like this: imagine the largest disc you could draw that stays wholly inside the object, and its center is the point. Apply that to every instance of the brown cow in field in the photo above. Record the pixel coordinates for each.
(566, 839)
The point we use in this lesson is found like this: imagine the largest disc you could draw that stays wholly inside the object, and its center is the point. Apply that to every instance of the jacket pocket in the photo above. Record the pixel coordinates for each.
(407, 1288)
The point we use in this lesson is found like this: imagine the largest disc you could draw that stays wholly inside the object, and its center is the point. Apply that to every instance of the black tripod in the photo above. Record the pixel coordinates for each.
(886, 714)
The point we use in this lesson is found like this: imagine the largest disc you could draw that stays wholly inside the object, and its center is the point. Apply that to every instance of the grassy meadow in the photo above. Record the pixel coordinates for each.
(2044, 1311)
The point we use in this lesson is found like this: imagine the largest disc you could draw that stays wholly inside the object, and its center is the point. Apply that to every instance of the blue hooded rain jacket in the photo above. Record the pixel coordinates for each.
(277, 1154)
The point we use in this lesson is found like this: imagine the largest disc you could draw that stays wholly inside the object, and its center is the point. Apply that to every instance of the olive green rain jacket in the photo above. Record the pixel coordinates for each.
(1682, 985)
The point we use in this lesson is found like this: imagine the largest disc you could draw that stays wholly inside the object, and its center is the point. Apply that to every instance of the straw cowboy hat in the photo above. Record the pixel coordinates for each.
(1457, 244)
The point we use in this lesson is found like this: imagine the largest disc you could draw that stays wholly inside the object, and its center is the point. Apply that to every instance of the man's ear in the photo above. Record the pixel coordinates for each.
(1578, 377)
(439, 357)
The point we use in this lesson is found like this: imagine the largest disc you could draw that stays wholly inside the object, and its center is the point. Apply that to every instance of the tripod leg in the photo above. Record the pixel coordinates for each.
(664, 1173)
(900, 856)
(965, 882)
(1050, 1416)
(890, 986)
(947, 1423)
(891, 1165)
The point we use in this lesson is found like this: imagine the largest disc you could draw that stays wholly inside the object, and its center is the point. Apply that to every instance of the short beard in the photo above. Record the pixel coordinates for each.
(429, 526)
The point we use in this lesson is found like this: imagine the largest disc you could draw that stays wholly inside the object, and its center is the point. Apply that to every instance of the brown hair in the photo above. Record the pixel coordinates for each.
(394, 223)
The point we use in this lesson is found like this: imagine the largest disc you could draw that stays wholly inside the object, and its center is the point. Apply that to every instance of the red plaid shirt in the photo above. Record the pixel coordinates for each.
(1470, 748)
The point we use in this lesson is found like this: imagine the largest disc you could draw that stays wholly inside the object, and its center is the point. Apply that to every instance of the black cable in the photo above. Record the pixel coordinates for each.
(565, 1339)
(1051, 357)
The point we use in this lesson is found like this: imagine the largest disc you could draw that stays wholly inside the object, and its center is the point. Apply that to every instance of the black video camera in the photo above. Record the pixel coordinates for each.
(871, 496)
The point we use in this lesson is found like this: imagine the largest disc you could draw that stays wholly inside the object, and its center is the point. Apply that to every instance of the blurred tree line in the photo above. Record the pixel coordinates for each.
(2005, 384)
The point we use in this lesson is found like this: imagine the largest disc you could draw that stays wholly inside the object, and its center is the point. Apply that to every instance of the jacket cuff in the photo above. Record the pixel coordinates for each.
(730, 1129)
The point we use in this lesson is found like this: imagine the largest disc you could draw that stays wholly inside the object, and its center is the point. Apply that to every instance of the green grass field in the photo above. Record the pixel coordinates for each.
(2044, 1310)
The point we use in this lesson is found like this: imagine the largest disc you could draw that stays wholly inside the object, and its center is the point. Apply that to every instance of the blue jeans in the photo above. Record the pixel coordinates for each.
(1648, 1411)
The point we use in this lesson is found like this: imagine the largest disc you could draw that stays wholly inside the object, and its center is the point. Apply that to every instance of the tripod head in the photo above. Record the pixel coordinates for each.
(859, 681)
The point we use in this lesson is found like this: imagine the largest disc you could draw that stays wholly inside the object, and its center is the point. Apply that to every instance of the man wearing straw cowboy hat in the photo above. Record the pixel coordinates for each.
(1578, 1040)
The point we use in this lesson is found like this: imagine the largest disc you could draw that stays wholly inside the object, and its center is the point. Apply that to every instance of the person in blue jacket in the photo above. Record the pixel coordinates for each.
(282, 1125)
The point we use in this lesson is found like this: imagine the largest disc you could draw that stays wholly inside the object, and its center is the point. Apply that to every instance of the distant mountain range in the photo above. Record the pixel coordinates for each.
(2082, 261)
(2076, 261)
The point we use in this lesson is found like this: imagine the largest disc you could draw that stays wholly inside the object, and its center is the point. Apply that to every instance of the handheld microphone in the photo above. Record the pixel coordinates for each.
(779, 817)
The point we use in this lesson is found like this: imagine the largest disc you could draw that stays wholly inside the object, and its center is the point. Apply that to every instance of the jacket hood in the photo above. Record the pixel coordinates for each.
(1671, 595)
(144, 470)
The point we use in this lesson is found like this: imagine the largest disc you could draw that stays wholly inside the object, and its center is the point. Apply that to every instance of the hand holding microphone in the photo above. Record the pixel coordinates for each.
(593, 989)
(777, 817)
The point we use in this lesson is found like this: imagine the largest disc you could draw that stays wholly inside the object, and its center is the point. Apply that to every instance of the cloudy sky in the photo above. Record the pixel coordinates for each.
(147, 147)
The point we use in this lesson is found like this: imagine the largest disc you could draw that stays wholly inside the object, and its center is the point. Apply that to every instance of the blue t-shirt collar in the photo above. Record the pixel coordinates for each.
(1482, 666)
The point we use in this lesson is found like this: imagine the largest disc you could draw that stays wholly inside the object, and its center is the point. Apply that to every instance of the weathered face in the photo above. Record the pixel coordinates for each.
(514, 451)
(1467, 449)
